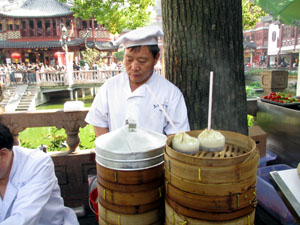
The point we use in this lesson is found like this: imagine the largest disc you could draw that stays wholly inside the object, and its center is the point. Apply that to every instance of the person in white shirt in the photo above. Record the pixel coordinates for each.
(137, 93)
(29, 191)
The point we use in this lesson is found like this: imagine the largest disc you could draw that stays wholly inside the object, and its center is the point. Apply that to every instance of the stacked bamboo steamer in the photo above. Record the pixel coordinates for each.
(130, 174)
(212, 187)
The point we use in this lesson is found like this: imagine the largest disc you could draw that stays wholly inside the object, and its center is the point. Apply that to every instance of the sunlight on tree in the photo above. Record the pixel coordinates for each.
(251, 14)
(115, 15)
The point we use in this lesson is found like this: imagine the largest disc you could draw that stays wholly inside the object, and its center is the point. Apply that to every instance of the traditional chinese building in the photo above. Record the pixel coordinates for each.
(256, 44)
(32, 33)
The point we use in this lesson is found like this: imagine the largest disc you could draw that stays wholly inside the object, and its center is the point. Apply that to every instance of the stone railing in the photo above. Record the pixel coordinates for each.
(50, 77)
(99, 76)
(78, 76)
(70, 121)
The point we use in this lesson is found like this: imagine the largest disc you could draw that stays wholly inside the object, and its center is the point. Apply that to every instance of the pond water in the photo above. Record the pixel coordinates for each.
(58, 103)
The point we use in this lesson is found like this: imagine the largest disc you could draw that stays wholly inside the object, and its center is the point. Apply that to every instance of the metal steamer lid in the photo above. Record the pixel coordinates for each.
(130, 148)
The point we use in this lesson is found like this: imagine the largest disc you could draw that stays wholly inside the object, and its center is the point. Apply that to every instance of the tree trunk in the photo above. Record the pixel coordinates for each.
(202, 36)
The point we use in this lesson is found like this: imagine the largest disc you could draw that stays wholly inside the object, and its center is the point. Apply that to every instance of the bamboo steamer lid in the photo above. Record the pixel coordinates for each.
(148, 218)
(130, 148)
(131, 176)
(174, 218)
(238, 148)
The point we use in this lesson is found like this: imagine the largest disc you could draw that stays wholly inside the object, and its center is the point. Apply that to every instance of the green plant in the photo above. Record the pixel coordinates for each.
(255, 84)
(119, 55)
(250, 120)
(87, 137)
(250, 91)
(26, 144)
(57, 141)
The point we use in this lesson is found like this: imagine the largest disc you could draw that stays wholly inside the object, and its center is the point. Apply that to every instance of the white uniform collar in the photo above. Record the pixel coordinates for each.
(140, 91)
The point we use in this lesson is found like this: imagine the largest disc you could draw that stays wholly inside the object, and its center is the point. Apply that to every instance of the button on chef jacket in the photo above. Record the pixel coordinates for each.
(115, 103)
(32, 195)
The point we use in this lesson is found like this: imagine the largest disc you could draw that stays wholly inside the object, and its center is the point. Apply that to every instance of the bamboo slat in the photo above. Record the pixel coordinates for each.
(210, 216)
(131, 177)
(210, 189)
(227, 203)
(174, 218)
(213, 174)
(131, 198)
(237, 149)
(148, 218)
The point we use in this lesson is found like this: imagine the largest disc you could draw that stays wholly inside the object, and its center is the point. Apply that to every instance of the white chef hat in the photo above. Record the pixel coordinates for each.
(141, 36)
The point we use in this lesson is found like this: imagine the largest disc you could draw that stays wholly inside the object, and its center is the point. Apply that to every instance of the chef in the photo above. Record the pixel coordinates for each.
(139, 93)
(29, 191)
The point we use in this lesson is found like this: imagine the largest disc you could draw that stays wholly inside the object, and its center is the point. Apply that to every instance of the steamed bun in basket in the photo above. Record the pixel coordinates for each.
(184, 143)
(211, 140)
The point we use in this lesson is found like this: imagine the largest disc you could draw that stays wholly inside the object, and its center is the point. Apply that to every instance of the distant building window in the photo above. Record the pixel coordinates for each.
(54, 27)
(48, 28)
(31, 27)
(39, 28)
(23, 28)
(274, 36)
(84, 25)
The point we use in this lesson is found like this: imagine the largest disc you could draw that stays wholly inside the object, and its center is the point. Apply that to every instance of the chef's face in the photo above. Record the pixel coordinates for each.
(139, 64)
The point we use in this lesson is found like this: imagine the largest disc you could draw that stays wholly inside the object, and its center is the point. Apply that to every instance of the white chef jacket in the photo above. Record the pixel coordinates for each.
(32, 195)
(115, 103)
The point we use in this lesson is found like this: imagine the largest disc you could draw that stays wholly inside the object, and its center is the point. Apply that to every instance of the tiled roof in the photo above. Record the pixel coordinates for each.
(39, 8)
(38, 44)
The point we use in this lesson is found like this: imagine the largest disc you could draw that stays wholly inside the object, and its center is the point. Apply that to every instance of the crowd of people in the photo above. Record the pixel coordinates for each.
(26, 72)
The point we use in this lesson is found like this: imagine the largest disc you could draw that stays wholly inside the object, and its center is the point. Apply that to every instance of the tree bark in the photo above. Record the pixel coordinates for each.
(202, 36)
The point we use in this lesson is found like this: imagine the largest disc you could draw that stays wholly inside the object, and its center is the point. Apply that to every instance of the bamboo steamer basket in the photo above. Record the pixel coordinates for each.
(226, 203)
(237, 149)
(132, 176)
(126, 188)
(225, 174)
(131, 209)
(209, 189)
(213, 186)
(174, 218)
(210, 216)
(148, 218)
(131, 198)
(103, 222)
